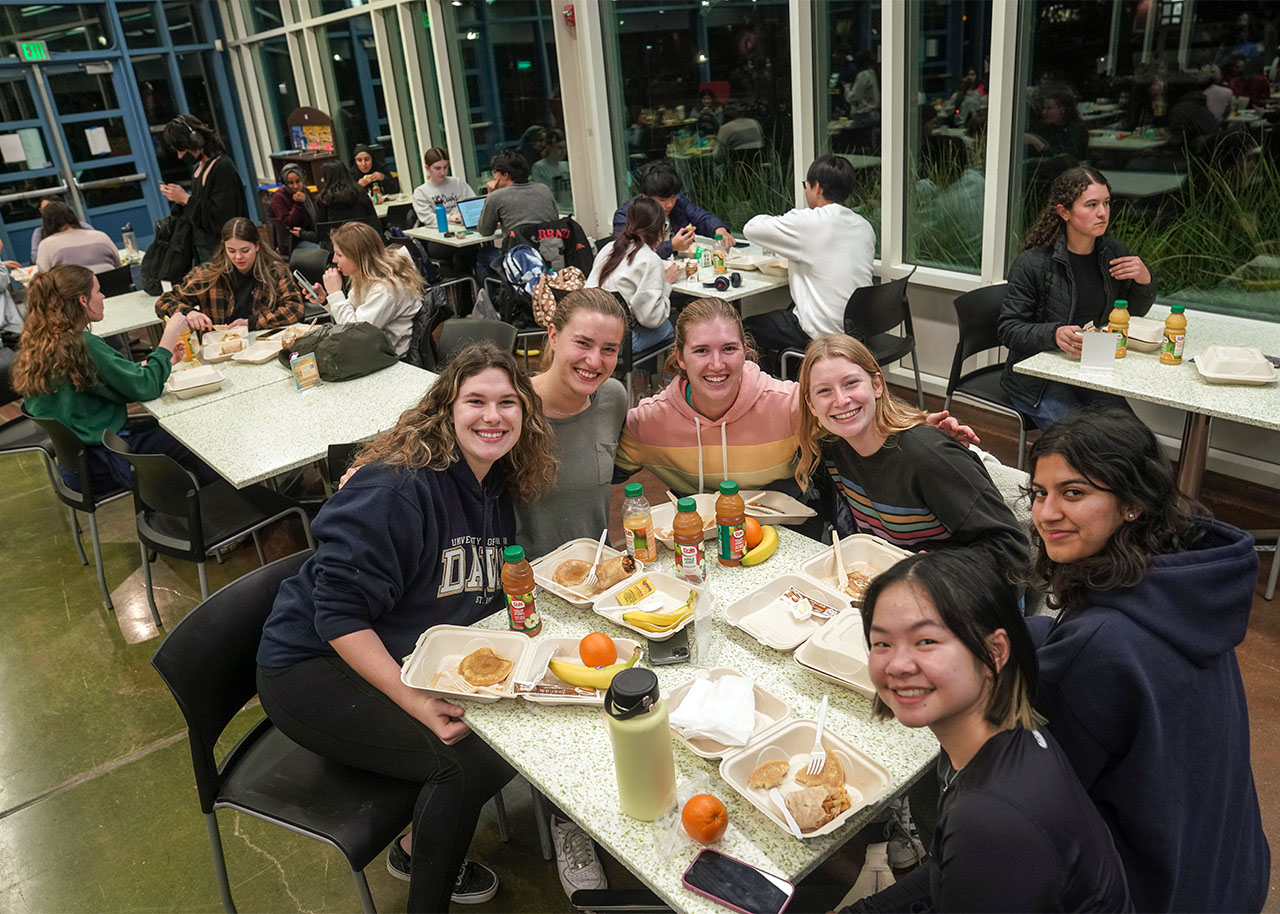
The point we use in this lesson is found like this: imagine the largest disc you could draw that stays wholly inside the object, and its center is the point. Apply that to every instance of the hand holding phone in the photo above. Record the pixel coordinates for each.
(737, 885)
(307, 286)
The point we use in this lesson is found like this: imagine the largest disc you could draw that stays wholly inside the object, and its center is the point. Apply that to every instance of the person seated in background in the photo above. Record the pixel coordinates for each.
(533, 143)
(341, 199)
(244, 284)
(386, 287)
(965, 100)
(1058, 129)
(10, 330)
(65, 241)
(1247, 80)
(629, 266)
(365, 173)
(440, 188)
(512, 201)
(292, 205)
(863, 94)
(552, 170)
(1148, 103)
(741, 136)
(37, 233)
(1218, 97)
(684, 220)
(829, 249)
(709, 115)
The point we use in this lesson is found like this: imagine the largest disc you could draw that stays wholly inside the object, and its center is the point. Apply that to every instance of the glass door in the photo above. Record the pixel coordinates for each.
(27, 164)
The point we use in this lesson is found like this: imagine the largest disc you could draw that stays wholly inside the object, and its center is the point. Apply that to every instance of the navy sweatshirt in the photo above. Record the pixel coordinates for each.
(682, 214)
(397, 551)
(1143, 692)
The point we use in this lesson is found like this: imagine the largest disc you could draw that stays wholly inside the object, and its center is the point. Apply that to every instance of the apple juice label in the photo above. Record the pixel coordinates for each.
(691, 562)
(522, 613)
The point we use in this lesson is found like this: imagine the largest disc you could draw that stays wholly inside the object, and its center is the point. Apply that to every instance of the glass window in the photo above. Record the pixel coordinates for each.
(186, 23)
(264, 15)
(1175, 116)
(847, 81)
(338, 6)
(946, 133)
(110, 190)
(16, 103)
(65, 26)
(282, 94)
(78, 138)
(77, 92)
(707, 86)
(155, 86)
(353, 68)
(139, 23)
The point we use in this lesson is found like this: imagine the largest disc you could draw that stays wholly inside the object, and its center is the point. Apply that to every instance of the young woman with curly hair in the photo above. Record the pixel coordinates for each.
(412, 540)
(67, 373)
(386, 287)
(1138, 673)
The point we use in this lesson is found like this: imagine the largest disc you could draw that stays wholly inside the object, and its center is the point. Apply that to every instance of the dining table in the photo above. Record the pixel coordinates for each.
(458, 237)
(130, 311)
(564, 751)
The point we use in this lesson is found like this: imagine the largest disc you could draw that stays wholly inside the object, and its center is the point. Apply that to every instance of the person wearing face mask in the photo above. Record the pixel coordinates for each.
(217, 193)
(367, 175)
(244, 284)
(293, 206)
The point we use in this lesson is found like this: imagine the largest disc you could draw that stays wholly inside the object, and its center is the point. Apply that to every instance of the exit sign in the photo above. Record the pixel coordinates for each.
(33, 51)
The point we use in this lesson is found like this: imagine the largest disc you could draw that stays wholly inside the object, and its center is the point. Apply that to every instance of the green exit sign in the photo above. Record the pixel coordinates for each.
(33, 51)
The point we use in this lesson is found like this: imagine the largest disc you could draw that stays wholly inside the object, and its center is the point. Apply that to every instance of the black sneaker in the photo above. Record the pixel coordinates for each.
(398, 861)
(476, 883)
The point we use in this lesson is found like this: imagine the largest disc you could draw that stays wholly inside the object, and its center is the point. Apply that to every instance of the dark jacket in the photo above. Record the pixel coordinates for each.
(398, 551)
(682, 214)
(360, 208)
(215, 200)
(1142, 690)
(294, 214)
(218, 301)
(1041, 297)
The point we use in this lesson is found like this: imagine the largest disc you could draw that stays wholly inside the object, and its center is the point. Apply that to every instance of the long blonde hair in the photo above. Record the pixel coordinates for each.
(424, 435)
(892, 415)
(374, 263)
(52, 347)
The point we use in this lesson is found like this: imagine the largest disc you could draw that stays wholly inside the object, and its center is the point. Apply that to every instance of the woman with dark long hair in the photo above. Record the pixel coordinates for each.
(217, 193)
(64, 240)
(412, 540)
(245, 282)
(1070, 273)
(630, 266)
(1138, 674)
(341, 199)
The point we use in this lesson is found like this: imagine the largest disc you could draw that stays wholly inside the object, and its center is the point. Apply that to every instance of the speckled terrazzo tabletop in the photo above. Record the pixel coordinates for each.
(122, 313)
(237, 378)
(565, 752)
(753, 282)
(1141, 375)
(267, 430)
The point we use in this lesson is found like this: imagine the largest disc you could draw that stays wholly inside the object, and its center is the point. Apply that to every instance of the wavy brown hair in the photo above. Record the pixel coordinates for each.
(1064, 191)
(52, 348)
(592, 299)
(374, 263)
(645, 220)
(424, 435)
(705, 309)
(1112, 449)
(267, 264)
(892, 415)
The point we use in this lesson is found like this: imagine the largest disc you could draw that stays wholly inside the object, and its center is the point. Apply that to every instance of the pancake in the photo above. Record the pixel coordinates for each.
(768, 775)
(571, 572)
(831, 775)
(484, 667)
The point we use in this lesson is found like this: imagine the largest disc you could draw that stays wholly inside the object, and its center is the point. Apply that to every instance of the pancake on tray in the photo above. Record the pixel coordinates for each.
(484, 667)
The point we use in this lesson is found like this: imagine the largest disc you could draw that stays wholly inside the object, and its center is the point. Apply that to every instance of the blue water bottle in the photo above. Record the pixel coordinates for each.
(442, 220)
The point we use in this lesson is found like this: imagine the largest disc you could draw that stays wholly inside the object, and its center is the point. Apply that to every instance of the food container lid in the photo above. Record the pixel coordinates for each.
(728, 487)
(633, 692)
(633, 490)
(513, 554)
(686, 504)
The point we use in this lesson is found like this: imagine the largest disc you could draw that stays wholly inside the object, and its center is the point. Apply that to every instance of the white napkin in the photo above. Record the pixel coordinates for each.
(724, 710)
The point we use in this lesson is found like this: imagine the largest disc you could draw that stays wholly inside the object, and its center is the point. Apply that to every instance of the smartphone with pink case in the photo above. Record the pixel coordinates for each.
(737, 885)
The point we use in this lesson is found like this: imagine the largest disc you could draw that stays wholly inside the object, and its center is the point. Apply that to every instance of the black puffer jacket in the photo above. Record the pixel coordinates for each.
(1041, 297)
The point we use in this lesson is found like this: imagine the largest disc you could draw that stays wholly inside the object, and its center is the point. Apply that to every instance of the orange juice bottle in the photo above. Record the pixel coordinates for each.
(637, 524)
(691, 563)
(731, 516)
(1175, 335)
(1118, 323)
(517, 584)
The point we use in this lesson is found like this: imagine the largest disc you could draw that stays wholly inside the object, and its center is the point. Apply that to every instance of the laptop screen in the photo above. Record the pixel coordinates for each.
(470, 211)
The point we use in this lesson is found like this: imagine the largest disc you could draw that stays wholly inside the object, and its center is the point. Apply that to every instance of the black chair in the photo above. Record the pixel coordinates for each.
(338, 461)
(870, 314)
(70, 454)
(323, 229)
(209, 663)
(628, 359)
(23, 435)
(180, 518)
(458, 332)
(311, 262)
(976, 314)
(116, 282)
(399, 215)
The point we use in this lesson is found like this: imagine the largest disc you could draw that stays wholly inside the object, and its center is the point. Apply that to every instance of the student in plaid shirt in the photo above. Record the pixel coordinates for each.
(244, 283)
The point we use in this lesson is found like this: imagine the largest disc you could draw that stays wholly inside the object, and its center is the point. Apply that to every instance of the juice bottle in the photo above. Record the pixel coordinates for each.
(637, 523)
(1118, 323)
(1175, 335)
(731, 515)
(640, 733)
(691, 563)
(517, 584)
(706, 272)
(717, 254)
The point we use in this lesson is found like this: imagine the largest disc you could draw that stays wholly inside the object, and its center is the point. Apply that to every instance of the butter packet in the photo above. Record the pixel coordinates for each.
(804, 606)
(306, 372)
(635, 593)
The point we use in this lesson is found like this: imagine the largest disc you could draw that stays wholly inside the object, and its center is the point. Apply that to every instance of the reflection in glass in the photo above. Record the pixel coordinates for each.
(156, 90)
(79, 142)
(16, 103)
(265, 15)
(64, 26)
(361, 116)
(111, 193)
(77, 93)
(139, 24)
(186, 25)
(281, 92)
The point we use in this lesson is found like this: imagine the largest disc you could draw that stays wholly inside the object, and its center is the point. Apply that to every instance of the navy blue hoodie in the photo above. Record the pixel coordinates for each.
(1143, 693)
(397, 551)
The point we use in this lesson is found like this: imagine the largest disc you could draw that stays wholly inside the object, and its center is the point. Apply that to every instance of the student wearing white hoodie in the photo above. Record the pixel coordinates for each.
(829, 248)
(630, 266)
(386, 287)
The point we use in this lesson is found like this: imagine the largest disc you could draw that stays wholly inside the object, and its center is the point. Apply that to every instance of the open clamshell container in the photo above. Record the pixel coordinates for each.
(760, 616)
(838, 654)
(441, 648)
(585, 550)
(770, 507)
(857, 550)
(194, 381)
(259, 352)
(770, 710)
(540, 654)
(664, 518)
(791, 741)
(669, 594)
(219, 345)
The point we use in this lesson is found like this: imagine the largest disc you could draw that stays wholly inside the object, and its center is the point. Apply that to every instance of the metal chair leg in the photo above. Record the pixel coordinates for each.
(219, 862)
(362, 889)
(204, 580)
(504, 831)
(915, 366)
(1022, 444)
(97, 558)
(1275, 571)
(257, 545)
(75, 535)
(306, 529)
(544, 828)
(151, 595)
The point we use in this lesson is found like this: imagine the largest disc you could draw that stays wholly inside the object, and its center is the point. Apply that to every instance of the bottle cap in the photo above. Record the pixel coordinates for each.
(633, 490)
(633, 692)
(686, 504)
(513, 554)
(1121, 303)
(719, 234)
(1177, 309)
(728, 487)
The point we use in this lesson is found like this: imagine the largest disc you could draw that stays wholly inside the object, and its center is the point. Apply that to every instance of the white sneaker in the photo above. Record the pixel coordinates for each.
(875, 877)
(576, 858)
(905, 848)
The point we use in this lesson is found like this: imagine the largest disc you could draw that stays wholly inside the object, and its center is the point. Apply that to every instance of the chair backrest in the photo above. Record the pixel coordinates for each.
(162, 486)
(278, 236)
(458, 332)
(310, 262)
(338, 461)
(976, 315)
(873, 310)
(116, 282)
(324, 228)
(70, 454)
(209, 661)
(400, 215)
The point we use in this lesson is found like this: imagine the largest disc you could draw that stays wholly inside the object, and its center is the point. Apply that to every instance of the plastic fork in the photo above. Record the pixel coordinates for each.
(593, 580)
(842, 578)
(776, 795)
(818, 755)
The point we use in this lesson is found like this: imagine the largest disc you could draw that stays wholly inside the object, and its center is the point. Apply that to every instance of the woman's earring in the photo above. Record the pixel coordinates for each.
(1131, 515)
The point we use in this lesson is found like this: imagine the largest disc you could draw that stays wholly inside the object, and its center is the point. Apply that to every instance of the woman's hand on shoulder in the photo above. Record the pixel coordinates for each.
(1131, 267)
(442, 718)
(947, 424)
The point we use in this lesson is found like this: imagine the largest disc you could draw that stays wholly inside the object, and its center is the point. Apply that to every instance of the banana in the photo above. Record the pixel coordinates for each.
(767, 546)
(662, 622)
(587, 677)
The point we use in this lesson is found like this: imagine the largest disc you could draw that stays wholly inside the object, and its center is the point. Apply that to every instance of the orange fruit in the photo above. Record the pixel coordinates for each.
(597, 649)
(704, 818)
(754, 532)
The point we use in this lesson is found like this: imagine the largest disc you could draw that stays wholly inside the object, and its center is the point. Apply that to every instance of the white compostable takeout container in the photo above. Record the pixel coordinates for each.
(543, 650)
(770, 710)
(584, 549)
(838, 654)
(671, 593)
(858, 549)
(193, 382)
(1235, 365)
(775, 626)
(664, 517)
(442, 647)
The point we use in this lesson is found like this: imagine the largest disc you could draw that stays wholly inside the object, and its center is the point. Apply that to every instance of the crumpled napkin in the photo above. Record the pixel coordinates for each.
(724, 710)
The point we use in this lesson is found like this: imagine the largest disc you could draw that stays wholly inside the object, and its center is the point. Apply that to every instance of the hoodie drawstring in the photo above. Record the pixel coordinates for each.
(724, 452)
(697, 424)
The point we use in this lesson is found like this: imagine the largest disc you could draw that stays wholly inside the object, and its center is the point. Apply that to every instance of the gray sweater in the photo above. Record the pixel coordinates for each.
(517, 204)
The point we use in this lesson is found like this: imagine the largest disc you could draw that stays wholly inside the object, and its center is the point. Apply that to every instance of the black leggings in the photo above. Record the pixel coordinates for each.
(329, 708)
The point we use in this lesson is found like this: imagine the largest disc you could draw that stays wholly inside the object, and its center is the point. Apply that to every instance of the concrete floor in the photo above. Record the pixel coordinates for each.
(98, 811)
